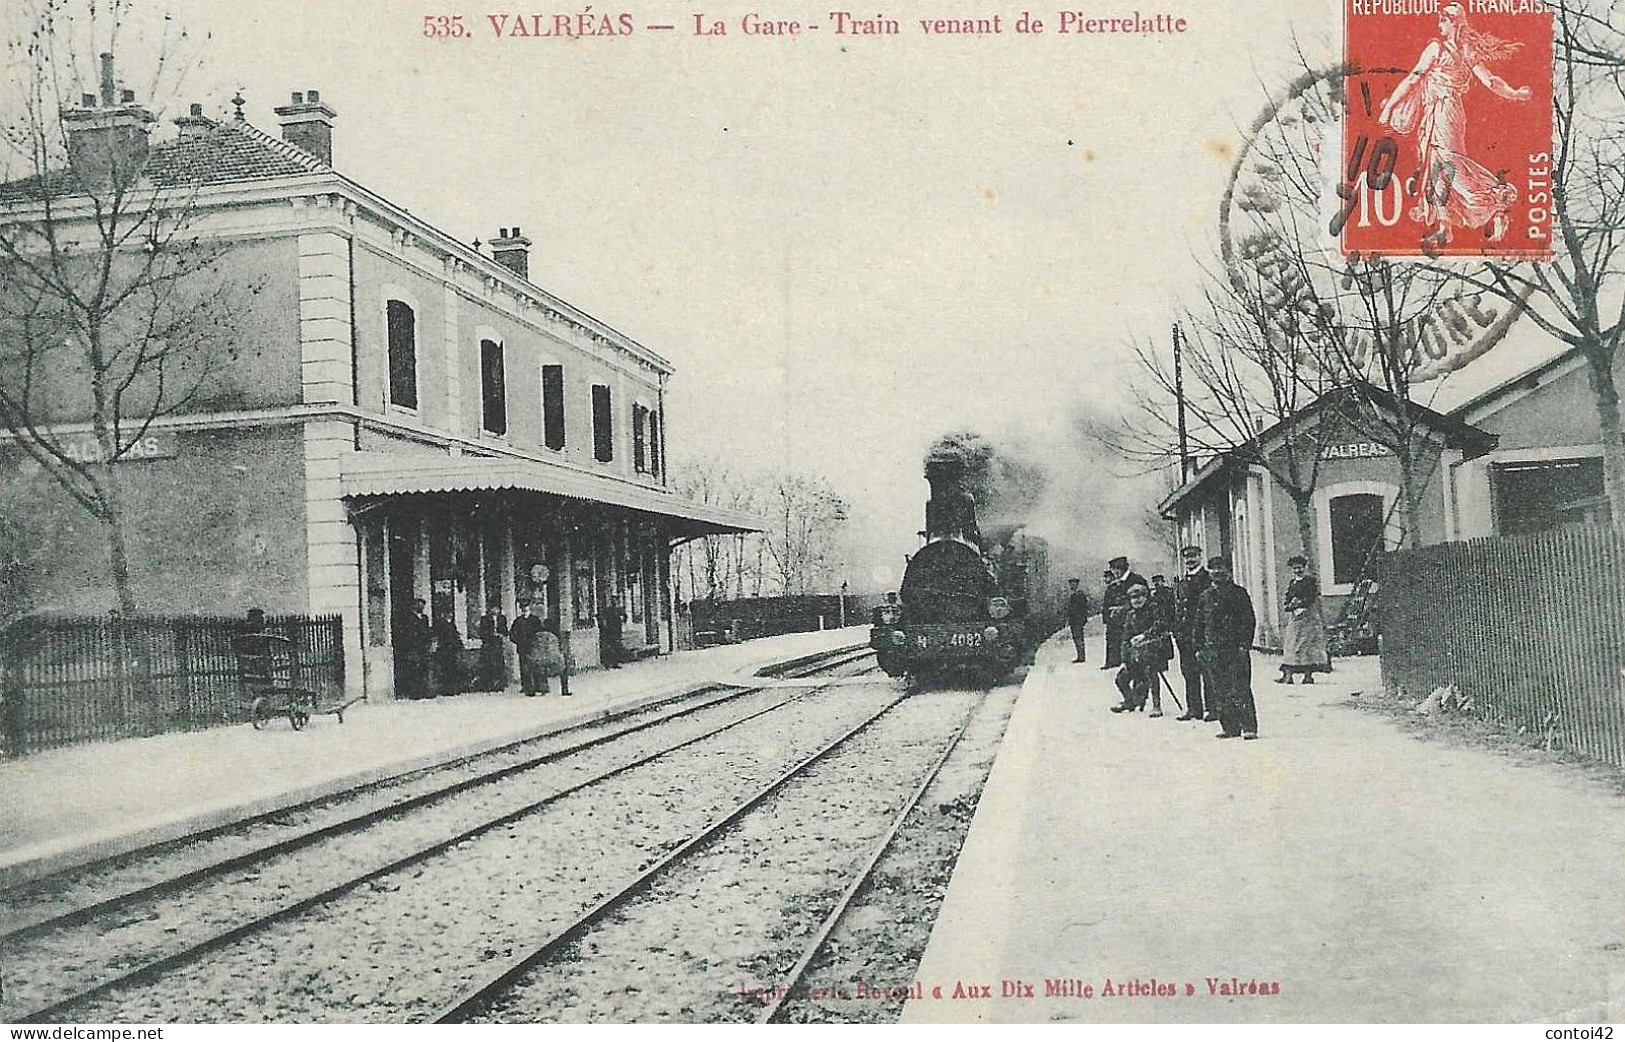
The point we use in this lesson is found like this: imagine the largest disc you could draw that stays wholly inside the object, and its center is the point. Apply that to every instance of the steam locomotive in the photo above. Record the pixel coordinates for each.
(973, 600)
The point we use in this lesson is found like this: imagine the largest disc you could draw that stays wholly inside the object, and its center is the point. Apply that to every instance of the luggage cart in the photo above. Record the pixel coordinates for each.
(267, 679)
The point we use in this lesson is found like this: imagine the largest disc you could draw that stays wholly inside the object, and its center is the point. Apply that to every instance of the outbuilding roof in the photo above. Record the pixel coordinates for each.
(1454, 431)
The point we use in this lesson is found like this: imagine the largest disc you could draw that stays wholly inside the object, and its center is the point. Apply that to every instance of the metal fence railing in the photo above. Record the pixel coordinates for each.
(1531, 630)
(65, 680)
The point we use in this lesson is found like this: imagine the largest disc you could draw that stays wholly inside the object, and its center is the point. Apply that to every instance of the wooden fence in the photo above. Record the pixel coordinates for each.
(65, 680)
(1530, 628)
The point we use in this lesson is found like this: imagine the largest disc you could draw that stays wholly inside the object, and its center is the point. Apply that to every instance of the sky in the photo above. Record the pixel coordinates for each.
(847, 246)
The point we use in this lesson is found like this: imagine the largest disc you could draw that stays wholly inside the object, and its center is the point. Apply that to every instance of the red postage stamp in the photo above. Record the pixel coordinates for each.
(1447, 134)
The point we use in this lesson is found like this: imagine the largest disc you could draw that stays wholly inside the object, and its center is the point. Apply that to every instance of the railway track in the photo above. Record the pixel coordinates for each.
(787, 985)
(485, 1000)
(58, 888)
(147, 969)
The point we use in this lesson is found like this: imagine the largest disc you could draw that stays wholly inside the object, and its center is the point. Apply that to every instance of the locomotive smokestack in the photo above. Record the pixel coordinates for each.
(951, 510)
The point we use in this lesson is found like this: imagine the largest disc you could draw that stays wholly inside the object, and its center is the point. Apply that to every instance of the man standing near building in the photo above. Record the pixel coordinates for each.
(1187, 628)
(1114, 606)
(413, 639)
(610, 628)
(1077, 616)
(528, 638)
(1228, 623)
(1162, 597)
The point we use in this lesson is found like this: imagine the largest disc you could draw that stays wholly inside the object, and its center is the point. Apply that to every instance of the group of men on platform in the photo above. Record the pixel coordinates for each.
(1205, 615)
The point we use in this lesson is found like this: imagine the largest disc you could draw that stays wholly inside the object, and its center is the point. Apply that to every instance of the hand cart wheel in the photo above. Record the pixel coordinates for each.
(260, 713)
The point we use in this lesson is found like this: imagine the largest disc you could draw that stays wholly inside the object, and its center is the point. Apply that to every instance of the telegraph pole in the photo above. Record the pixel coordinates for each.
(1179, 399)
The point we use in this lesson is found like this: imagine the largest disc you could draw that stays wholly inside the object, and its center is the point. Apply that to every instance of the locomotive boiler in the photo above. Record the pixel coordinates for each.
(973, 600)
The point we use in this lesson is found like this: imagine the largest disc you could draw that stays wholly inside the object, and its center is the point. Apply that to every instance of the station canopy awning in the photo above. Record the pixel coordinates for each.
(375, 475)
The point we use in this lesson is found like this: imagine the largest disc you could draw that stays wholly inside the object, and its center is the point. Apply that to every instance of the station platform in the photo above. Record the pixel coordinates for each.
(68, 806)
(1338, 869)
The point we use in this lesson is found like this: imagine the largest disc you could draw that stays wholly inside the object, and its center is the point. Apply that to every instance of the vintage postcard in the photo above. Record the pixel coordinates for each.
(688, 513)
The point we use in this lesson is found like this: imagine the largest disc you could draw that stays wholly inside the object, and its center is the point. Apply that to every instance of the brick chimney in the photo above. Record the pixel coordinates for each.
(512, 250)
(194, 123)
(107, 142)
(308, 124)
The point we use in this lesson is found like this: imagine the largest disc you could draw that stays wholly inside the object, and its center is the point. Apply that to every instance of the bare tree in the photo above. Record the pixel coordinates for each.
(1371, 343)
(1243, 376)
(715, 567)
(807, 519)
(1353, 332)
(115, 311)
(21, 540)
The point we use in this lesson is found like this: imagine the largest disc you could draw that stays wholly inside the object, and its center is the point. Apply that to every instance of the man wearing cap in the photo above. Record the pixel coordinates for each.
(1187, 628)
(538, 650)
(1145, 654)
(1114, 605)
(1077, 616)
(1228, 623)
(1162, 596)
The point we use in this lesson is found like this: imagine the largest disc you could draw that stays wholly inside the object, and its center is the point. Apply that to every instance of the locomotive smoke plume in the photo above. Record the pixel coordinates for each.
(1064, 484)
(1006, 486)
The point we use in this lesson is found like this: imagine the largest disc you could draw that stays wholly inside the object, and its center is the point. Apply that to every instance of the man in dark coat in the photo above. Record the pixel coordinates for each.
(1077, 616)
(1162, 595)
(526, 635)
(413, 638)
(1187, 628)
(610, 628)
(493, 659)
(1228, 623)
(1114, 606)
(448, 656)
(1145, 654)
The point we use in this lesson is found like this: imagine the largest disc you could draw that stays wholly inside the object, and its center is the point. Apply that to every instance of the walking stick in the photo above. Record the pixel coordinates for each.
(1162, 678)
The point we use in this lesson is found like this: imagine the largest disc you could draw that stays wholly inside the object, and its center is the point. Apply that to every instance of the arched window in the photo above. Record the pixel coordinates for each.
(493, 388)
(403, 354)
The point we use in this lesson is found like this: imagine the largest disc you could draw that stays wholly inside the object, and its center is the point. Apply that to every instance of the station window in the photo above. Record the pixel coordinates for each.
(553, 406)
(403, 354)
(1357, 523)
(603, 424)
(1542, 495)
(493, 388)
(640, 440)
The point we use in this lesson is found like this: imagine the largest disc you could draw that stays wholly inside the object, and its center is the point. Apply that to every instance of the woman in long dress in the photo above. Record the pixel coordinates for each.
(1454, 189)
(1303, 646)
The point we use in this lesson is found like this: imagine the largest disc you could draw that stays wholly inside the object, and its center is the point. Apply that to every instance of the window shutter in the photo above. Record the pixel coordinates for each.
(553, 406)
(639, 439)
(603, 425)
(654, 441)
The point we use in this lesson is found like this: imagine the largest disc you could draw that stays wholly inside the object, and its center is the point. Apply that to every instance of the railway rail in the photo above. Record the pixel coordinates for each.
(860, 879)
(695, 702)
(58, 888)
(494, 998)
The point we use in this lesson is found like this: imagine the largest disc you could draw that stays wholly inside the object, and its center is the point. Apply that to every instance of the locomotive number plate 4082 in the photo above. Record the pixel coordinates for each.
(971, 639)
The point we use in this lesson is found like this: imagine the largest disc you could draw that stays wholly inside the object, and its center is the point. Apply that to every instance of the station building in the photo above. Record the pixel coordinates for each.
(1524, 455)
(402, 416)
